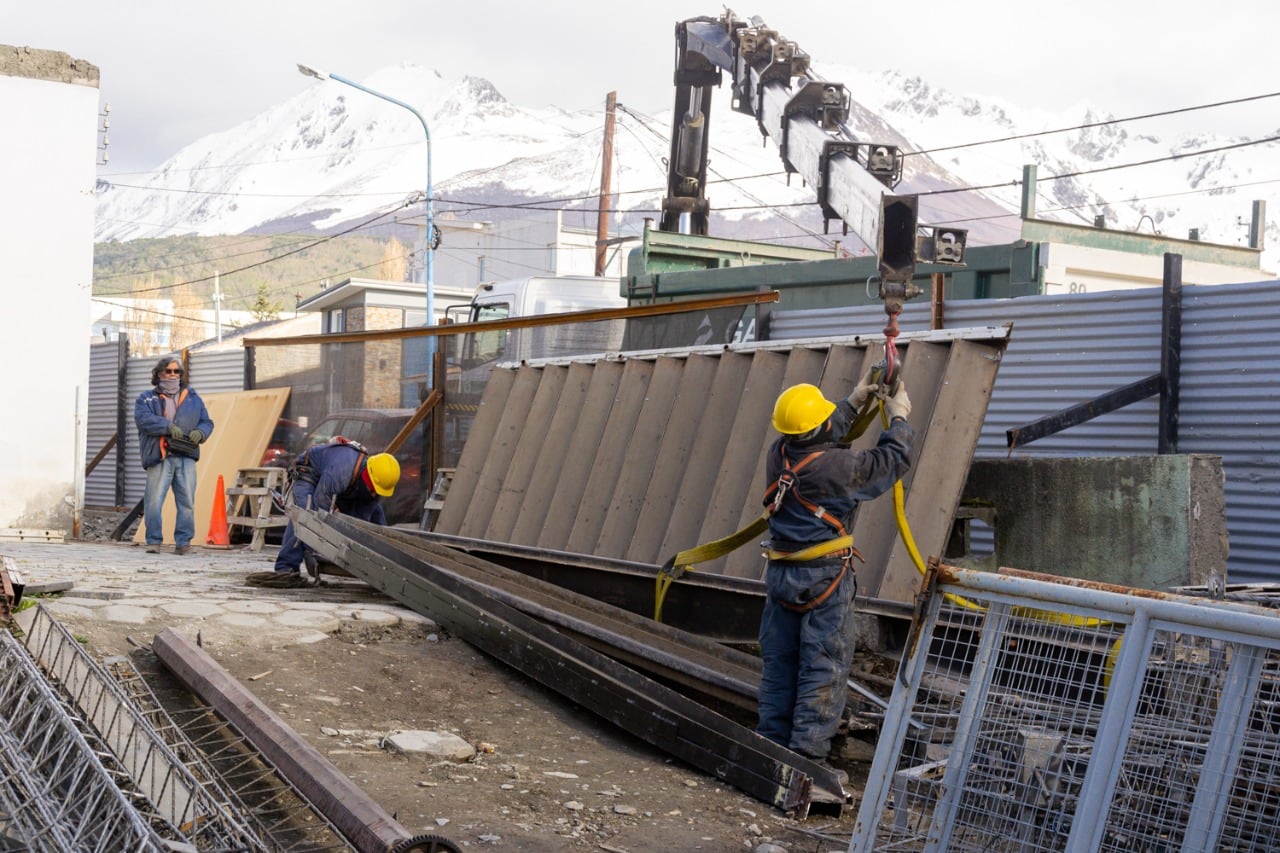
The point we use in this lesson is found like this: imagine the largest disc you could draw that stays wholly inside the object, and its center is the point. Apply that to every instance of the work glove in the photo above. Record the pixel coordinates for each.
(899, 405)
(196, 435)
(863, 392)
(175, 431)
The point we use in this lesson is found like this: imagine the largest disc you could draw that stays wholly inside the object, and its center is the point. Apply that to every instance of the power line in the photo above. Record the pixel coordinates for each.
(1092, 125)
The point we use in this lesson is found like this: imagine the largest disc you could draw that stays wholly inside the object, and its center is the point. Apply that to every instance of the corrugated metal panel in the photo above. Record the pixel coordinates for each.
(1065, 350)
(652, 453)
(214, 371)
(102, 488)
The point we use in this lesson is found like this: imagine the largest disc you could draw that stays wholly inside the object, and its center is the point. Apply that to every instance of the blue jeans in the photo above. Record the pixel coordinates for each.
(178, 473)
(292, 551)
(806, 656)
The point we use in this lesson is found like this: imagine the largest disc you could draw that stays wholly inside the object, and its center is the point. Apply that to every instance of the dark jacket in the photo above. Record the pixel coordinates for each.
(153, 426)
(333, 471)
(837, 480)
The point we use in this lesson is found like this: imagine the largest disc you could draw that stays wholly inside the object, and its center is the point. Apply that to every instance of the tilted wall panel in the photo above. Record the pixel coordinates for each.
(639, 460)
(474, 453)
(556, 448)
(603, 477)
(641, 456)
(673, 452)
(722, 407)
(519, 474)
(586, 444)
(511, 421)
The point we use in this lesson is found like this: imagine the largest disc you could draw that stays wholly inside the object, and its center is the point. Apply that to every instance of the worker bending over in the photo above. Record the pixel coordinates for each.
(806, 631)
(343, 476)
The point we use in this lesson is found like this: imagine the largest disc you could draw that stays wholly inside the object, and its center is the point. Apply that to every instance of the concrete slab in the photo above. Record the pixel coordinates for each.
(312, 619)
(126, 613)
(445, 745)
(197, 609)
(251, 606)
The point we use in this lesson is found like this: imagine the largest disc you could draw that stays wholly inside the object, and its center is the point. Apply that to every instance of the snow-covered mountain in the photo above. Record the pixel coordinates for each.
(333, 156)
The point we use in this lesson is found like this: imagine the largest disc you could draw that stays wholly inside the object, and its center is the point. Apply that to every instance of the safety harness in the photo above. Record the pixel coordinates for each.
(785, 485)
(788, 484)
(306, 472)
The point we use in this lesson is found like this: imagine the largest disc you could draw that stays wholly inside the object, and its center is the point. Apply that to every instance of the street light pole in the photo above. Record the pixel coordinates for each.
(429, 263)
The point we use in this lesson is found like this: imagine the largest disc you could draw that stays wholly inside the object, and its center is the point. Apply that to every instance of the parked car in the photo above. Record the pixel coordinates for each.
(375, 428)
(286, 441)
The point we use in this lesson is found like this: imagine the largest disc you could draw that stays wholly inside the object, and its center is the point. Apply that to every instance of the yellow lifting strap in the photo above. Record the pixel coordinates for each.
(683, 561)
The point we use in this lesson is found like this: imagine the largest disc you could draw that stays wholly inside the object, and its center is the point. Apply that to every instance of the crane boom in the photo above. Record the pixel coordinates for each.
(805, 117)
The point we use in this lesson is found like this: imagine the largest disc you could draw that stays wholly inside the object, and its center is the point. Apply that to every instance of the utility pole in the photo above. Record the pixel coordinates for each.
(217, 305)
(606, 191)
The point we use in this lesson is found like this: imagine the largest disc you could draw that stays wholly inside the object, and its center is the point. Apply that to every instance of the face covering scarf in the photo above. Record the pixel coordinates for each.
(168, 385)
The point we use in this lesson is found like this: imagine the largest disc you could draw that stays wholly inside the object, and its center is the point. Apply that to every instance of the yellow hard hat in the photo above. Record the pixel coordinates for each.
(384, 473)
(800, 408)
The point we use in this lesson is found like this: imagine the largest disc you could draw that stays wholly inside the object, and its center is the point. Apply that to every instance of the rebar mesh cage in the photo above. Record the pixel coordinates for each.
(1043, 715)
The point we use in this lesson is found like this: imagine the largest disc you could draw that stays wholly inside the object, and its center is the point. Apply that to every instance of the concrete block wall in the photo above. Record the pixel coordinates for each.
(1151, 522)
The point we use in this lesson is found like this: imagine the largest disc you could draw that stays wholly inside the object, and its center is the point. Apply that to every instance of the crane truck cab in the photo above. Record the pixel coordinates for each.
(539, 295)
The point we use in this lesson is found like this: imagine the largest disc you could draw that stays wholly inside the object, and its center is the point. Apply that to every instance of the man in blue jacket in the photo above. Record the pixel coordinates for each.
(342, 476)
(172, 424)
(806, 631)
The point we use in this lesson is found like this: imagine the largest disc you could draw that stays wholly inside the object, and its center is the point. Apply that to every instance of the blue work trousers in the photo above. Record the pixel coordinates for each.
(806, 655)
(177, 473)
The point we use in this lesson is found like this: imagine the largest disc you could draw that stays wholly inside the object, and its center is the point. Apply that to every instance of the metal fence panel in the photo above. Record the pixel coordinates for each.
(214, 371)
(103, 487)
(1037, 714)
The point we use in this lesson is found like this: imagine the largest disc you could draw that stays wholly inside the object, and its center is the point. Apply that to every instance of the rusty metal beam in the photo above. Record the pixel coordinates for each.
(596, 315)
(362, 821)
(719, 607)
(639, 705)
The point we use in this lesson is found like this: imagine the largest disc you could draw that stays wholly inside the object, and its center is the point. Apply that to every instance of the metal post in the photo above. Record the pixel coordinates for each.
(1170, 354)
(429, 265)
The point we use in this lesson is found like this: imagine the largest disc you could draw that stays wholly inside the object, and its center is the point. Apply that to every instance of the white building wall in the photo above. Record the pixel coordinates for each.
(1085, 269)
(47, 157)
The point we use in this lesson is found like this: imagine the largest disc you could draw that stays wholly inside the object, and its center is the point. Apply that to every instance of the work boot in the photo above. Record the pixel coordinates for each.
(841, 775)
(181, 549)
(153, 549)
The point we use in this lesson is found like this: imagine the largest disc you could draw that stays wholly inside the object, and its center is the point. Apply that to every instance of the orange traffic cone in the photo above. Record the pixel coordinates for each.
(219, 536)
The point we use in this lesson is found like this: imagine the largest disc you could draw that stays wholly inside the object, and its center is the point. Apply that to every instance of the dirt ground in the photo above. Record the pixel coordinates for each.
(548, 775)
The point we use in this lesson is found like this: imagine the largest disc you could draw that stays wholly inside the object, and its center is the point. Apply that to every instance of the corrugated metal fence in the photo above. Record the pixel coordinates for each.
(1068, 349)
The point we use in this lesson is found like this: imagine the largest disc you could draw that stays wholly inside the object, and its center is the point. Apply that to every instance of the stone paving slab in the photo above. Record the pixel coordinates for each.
(203, 591)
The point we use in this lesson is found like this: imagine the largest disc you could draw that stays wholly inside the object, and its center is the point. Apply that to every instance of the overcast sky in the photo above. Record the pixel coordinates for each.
(175, 71)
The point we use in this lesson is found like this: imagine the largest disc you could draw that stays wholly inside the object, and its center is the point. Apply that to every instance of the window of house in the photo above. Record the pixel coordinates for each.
(335, 321)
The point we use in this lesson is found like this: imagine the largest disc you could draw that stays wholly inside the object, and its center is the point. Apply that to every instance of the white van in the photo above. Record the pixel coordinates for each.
(539, 295)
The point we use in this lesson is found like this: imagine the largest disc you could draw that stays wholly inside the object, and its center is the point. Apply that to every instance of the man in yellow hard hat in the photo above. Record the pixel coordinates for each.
(816, 484)
(339, 475)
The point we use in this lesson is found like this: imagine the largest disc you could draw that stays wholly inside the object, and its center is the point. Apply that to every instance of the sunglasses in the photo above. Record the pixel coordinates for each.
(169, 372)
